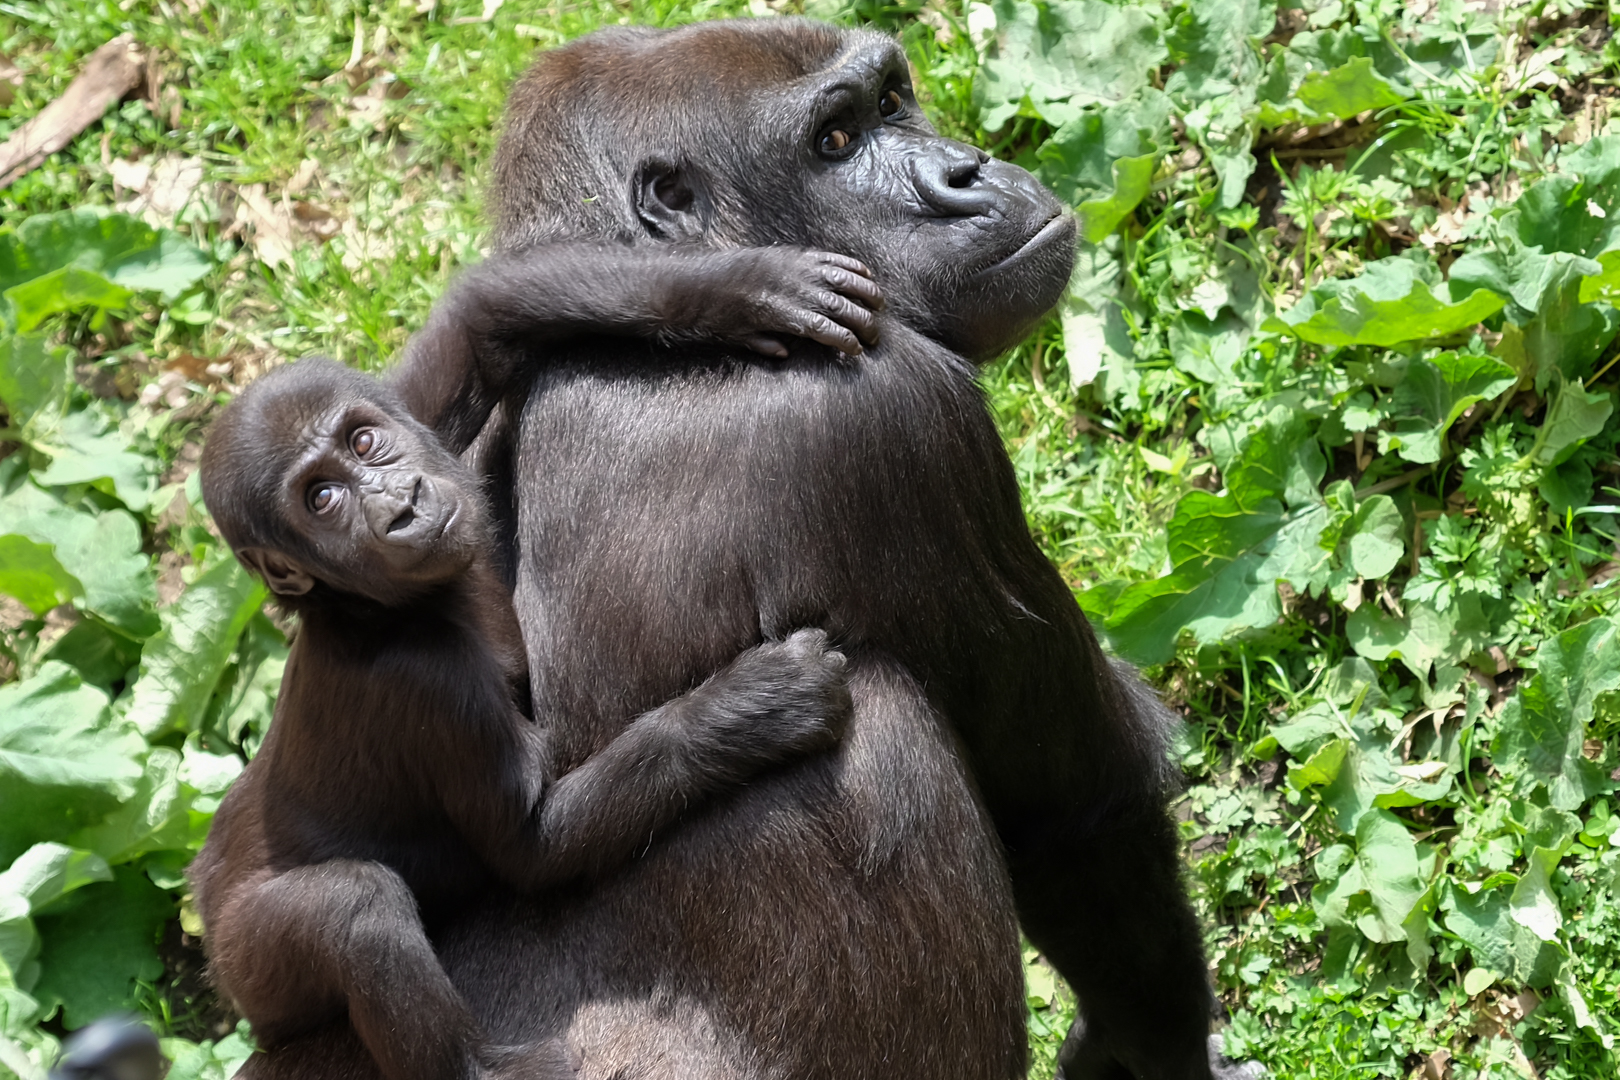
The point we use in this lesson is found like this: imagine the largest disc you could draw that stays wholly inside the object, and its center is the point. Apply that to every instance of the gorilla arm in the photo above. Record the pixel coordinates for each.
(773, 703)
(485, 336)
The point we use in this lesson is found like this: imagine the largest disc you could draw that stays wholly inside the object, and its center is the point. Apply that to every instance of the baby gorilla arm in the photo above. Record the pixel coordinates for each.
(485, 335)
(774, 703)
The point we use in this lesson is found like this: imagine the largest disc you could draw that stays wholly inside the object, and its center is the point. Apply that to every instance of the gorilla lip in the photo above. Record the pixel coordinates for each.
(1058, 223)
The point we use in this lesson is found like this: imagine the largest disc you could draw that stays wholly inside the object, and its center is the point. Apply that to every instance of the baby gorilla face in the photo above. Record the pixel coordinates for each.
(383, 506)
(317, 475)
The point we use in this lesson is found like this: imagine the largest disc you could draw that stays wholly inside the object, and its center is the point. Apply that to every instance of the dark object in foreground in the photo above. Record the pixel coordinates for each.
(112, 1048)
(402, 775)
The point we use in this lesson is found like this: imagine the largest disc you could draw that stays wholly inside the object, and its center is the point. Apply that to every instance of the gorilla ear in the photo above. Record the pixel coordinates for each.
(667, 201)
(284, 576)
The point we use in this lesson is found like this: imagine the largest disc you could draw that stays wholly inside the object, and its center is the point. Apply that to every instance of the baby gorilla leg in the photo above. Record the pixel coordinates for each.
(298, 949)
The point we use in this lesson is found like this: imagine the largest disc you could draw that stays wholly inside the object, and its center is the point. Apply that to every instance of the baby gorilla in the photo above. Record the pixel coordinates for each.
(403, 773)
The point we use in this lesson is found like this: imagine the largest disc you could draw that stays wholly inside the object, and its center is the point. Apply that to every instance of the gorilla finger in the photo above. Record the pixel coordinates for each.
(855, 287)
(820, 328)
(847, 263)
(861, 321)
(766, 345)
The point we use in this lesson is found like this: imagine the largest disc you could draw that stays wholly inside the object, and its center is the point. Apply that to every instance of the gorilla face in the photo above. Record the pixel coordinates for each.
(971, 250)
(787, 132)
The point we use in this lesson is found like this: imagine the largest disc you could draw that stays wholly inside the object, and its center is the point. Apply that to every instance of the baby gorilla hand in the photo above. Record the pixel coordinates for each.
(811, 685)
(758, 296)
(774, 703)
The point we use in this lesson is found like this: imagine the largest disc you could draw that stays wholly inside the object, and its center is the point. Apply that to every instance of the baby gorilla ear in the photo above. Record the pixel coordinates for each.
(284, 576)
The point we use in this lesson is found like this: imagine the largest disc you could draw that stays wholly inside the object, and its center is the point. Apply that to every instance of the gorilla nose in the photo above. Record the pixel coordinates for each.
(404, 518)
(948, 180)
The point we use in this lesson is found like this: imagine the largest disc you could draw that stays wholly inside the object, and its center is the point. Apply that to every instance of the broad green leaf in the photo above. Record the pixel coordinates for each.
(1554, 329)
(1416, 927)
(1096, 343)
(1478, 980)
(1557, 332)
(1574, 416)
(1132, 178)
(1218, 44)
(1225, 128)
(67, 289)
(1605, 284)
(1228, 551)
(1542, 729)
(1063, 55)
(1346, 91)
(1307, 731)
(1376, 887)
(29, 571)
(96, 945)
(1496, 942)
(1322, 767)
(1566, 486)
(19, 945)
(34, 376)
(1322, 95)
(208, 774)
(1423, 637)
(1577, 210)
(87, 450)
(123, 249)
(205, 1061)
(102, 550)
(1579, 1011)
(242, 708)
(1078, 161)
(1527, 276)
(1532, 904)
(1208, 349)
(1434, 394)
(1217, 590)
(1375, 538)
(64, 760)
(101, 655)
(1392, 302)
(154, 819)
(183, 661)
(46, 872)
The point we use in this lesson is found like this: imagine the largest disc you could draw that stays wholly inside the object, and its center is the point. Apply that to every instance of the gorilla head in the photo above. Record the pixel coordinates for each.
(787, 132)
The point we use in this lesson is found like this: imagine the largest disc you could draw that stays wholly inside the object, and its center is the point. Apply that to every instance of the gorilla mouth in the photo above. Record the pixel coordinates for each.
(1054, 227)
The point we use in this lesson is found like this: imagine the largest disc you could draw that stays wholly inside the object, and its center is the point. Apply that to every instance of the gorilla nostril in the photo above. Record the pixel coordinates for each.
(406, 516)
(416, 491)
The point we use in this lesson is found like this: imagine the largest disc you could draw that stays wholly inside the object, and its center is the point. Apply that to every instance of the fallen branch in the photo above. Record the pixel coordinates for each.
(111, 72)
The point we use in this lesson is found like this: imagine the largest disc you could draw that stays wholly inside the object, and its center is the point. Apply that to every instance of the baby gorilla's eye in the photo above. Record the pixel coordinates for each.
(891, 104)
(362, 441)
(321, 496)
(834, 141)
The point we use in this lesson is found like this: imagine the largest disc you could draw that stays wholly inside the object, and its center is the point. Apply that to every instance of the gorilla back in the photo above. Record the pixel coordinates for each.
(669, 506)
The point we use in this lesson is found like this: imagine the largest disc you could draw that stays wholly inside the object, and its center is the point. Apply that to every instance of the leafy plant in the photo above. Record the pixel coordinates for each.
(1323, 433)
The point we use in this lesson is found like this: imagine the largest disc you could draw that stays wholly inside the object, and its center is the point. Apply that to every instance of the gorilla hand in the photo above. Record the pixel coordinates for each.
(756, 297)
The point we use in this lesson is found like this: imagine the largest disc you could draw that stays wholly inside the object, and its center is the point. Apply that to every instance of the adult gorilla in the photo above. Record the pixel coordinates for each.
(853, 916)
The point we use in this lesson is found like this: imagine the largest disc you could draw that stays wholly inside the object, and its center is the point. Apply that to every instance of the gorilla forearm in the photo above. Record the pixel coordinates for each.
(505, 317)
(775, 702)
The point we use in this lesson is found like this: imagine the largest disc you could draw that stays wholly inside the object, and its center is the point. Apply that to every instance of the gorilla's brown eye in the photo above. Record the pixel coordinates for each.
(891, 104)
(321, 496)
(363, 441)
(834, 141)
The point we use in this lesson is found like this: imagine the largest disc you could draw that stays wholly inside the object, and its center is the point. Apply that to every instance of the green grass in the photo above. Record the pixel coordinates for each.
(1389, 624)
